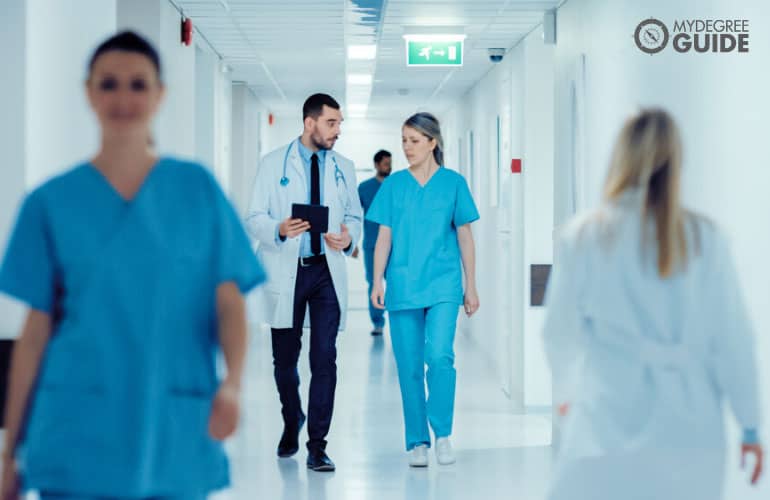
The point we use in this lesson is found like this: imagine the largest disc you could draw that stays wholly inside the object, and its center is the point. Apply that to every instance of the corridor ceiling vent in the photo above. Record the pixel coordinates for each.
(369, 11)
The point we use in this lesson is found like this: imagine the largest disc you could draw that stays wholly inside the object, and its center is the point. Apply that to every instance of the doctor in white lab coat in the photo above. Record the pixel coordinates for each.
(306, 270)
(647, 335)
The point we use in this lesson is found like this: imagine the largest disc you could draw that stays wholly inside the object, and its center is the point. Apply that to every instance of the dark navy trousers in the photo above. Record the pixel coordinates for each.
(314, 289)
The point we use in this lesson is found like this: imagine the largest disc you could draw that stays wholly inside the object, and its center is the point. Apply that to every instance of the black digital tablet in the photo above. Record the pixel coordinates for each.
(316, 215)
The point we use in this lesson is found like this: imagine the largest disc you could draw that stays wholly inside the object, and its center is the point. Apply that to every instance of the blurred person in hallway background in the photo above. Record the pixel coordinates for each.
(367, 190)
(647, 334)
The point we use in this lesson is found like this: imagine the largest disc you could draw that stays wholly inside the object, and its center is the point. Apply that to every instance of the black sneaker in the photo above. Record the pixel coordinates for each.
(289, 443)
(377, 331)
(319, 461)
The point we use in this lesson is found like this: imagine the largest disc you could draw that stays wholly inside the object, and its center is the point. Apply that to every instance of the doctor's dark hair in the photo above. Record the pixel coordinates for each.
(127, 41)
(314, 105)
(427, 125)
(379, 155)
(648, 157)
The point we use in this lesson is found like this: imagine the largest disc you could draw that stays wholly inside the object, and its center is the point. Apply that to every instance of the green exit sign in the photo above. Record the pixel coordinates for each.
(434, 53)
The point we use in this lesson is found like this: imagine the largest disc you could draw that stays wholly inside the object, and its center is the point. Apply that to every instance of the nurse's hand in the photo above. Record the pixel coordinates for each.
(758, 452)
(225, 412)
(293, 227)
(339, 241)
(378, 295)
(471, 301)
(11, 489)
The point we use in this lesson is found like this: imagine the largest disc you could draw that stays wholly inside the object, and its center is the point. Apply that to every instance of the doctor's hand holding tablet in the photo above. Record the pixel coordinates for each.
(291, 228)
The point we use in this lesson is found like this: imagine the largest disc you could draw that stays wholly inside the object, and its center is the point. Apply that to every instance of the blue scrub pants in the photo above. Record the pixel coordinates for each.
(420, 337)
(377, 315)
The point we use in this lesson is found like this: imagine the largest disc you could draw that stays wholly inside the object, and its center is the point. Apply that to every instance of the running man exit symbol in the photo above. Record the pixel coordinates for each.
(434, 53)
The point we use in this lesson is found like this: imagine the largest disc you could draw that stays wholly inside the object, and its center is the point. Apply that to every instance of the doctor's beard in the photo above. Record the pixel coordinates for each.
(320, 143)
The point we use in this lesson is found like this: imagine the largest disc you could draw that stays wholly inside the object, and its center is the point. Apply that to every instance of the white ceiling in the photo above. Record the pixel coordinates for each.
(287, 50)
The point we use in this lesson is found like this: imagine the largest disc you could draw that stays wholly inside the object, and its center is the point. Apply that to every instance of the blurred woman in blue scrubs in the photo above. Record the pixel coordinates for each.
(647, 334)
(425, 214)
(133, 267)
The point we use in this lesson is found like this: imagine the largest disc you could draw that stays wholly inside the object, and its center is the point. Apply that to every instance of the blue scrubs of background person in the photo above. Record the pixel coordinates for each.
(367, 190)
(133, 268)
(424, 215)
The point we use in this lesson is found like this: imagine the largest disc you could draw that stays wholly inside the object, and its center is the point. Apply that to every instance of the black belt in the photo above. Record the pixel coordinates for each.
(312, 261)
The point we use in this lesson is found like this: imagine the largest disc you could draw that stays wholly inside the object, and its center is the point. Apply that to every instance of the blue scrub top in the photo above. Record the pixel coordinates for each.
(424, 268)
(367, 190)
(125, 387)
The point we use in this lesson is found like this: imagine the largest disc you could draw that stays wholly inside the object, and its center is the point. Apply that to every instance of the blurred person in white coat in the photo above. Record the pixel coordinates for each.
(647, 335)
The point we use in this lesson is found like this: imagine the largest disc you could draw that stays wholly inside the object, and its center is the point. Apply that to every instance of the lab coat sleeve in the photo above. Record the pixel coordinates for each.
(734, 343)
(28, 270)
(259, 222)
(354, 214)
(563, 323)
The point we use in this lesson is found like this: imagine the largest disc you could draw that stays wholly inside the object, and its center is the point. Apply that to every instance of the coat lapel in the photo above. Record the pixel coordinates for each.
(330, 188)
(295, 163)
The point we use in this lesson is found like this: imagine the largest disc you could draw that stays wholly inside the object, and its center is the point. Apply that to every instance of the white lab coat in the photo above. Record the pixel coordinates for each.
(645, 363)
(271, 204)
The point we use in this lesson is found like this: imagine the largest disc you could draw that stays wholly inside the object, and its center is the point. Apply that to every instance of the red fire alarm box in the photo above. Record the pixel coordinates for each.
(516, 166)
(187, 31)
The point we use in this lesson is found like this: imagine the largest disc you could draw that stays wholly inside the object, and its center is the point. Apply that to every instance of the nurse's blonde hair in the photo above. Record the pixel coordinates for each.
(648, 157)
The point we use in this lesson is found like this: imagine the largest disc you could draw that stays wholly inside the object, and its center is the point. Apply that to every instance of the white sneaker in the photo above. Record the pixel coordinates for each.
(444, 453)
(418, 456)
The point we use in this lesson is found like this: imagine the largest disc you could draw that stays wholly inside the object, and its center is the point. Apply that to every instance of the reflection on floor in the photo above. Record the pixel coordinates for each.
(500, 454)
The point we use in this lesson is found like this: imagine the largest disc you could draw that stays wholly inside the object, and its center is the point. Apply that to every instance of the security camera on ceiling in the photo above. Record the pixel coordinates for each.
(496, 55)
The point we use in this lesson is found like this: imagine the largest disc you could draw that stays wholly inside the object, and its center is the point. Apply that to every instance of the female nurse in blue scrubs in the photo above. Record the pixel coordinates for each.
(133, 268)
(425, 215)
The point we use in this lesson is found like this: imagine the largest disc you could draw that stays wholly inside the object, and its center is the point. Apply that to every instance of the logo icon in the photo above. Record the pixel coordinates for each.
(651, 36)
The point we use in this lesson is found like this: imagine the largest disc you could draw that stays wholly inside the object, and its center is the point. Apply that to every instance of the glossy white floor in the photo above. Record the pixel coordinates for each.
(499, 454)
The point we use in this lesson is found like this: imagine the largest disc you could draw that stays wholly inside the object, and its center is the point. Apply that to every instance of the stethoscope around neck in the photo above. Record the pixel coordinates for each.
(338, 174)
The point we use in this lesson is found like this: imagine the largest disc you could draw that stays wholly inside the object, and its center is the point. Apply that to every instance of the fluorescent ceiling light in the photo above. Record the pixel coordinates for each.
(435, 38)
(367, 52)
(356, 110)
(360, 79)
(358, 90)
